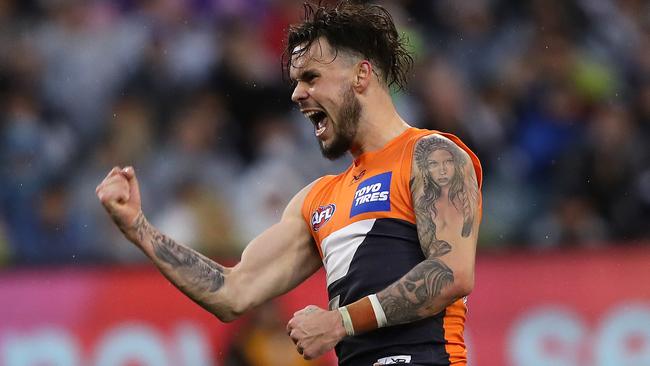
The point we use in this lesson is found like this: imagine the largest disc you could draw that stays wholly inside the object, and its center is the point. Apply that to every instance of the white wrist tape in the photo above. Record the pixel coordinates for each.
(379, 311)
(347, 321)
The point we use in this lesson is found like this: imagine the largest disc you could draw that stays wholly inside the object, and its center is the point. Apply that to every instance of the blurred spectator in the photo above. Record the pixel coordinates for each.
(200, 219)
(249, 80)
(195, 144)
(264, 342)
(607, 169)
(49, 232)
(267, 185)
(86, 48)
(570, 222)
(5, 250)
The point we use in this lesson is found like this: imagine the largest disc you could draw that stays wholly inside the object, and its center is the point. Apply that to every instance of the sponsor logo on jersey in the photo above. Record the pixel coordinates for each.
(322, 215)
(372, 195)
(395, 360)
(356, 178)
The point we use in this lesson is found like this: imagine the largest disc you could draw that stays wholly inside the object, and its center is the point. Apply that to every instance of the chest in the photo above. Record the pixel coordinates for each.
(360, 195)
(447, 217)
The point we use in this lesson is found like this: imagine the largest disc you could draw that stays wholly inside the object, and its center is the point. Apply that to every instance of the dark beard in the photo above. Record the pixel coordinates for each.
(346, 129)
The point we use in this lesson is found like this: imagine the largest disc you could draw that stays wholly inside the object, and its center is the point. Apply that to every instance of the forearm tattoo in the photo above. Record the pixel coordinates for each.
(190, 271)
(442, 180)
(406, 300)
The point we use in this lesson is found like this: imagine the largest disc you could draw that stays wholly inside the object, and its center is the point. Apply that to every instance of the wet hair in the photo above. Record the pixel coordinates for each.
(366, 30)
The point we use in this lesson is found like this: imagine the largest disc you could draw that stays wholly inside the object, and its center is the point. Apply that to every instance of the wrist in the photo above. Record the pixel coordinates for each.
(134, 231)
(339, 328)
(363, 315)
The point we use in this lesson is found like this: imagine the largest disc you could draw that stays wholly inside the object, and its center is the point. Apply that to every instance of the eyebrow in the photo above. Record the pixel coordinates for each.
(305, 74)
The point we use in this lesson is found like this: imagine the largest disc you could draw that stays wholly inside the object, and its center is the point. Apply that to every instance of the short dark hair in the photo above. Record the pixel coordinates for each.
(365, 29)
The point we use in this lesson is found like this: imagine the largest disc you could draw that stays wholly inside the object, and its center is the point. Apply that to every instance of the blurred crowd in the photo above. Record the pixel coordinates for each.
(553, 95)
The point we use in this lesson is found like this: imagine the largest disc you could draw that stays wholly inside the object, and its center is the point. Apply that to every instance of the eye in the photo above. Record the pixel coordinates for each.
(309, 77)
(310, 80)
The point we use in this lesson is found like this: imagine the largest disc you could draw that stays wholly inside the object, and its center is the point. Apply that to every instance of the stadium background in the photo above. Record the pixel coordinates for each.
(553, 95)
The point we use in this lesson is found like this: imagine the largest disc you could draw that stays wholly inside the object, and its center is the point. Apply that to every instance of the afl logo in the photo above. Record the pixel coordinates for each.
(322, 215)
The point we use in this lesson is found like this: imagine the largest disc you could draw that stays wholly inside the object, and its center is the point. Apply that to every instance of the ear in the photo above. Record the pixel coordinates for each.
(363, 76)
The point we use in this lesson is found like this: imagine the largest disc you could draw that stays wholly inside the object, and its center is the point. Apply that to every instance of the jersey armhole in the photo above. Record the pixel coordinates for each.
(308, 207)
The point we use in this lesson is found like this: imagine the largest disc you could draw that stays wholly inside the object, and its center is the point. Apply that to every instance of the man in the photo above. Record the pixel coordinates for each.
(396, 232)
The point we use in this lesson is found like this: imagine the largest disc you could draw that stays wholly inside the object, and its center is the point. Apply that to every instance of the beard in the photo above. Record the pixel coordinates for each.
(345, 130)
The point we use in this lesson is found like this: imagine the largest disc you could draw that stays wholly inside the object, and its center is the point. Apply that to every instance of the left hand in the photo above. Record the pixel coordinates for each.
(315, 331)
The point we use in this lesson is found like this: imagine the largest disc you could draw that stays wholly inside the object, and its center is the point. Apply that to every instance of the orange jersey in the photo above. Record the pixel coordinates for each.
(363, 223)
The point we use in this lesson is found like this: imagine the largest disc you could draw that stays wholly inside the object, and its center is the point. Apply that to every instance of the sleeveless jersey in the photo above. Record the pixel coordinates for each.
(363, 223)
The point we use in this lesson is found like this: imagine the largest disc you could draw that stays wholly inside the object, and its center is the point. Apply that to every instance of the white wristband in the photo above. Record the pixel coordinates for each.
(347, 321)
(379, 311)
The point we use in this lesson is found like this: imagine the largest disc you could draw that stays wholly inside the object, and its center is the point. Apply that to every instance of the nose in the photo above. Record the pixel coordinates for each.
(299, 93)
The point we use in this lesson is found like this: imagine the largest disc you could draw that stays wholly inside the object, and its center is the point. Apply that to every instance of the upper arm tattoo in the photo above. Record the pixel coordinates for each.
(197, 273)
(443, 178)
(443, 173)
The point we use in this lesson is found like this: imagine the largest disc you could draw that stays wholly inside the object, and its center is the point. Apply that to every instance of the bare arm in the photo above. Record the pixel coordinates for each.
(273, 263)
(447, 217)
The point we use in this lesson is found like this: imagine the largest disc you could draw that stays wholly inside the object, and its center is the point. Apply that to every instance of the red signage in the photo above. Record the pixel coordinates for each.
(589, 307)
(579, 307)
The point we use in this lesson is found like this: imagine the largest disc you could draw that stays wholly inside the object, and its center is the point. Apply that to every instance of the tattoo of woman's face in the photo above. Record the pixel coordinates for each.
(442, 167)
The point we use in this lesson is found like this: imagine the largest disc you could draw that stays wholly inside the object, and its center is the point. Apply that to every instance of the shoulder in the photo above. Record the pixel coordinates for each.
(297, 202)
(427, 144)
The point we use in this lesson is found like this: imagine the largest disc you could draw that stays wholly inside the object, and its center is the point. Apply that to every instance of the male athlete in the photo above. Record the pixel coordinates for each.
(396, 232)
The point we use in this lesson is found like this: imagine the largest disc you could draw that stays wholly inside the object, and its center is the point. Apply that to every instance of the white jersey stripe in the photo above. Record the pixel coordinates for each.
(340, 246)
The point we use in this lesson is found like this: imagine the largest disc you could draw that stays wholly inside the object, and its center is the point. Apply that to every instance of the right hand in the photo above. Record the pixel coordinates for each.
(119, 193)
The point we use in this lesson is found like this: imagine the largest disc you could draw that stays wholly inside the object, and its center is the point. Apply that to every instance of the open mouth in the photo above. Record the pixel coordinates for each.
(319, 119)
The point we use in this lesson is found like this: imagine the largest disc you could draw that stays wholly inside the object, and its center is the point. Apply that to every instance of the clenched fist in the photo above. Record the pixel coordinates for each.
(120, 195)
(315, 331)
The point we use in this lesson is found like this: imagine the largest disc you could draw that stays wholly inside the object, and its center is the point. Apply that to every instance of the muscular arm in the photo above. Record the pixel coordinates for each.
(447, 273)
(273, 263)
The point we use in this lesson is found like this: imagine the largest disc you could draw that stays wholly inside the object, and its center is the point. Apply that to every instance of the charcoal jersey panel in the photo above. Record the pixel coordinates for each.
(363, 223)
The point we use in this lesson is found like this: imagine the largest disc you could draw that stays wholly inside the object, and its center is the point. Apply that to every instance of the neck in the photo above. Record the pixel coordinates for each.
(379, 123)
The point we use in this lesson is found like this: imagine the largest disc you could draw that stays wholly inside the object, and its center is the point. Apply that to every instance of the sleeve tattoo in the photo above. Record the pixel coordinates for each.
(408, 299)
(190, 271)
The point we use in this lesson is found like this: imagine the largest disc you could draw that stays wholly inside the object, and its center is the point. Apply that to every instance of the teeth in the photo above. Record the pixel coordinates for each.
(309, 114)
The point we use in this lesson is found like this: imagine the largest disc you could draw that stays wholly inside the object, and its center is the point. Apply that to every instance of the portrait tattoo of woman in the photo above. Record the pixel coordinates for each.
(442, 166)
